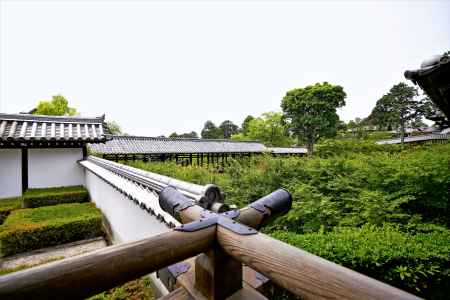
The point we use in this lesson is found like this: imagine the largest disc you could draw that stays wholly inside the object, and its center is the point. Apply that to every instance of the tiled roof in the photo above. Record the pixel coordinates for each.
(153, 145)
(433, 77)
(285, 150)
(28, 129)
(414, 139)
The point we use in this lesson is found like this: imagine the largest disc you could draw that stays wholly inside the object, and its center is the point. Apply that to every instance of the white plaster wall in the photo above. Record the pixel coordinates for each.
(54, 167)
(127, 221)
(10, 173)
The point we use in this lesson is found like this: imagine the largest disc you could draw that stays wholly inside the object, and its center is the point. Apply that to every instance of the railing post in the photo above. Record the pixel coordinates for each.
(217, 275)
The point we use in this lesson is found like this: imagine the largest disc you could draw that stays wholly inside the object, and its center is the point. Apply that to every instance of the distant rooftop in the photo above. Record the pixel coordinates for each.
(158, 145)
(28, 129)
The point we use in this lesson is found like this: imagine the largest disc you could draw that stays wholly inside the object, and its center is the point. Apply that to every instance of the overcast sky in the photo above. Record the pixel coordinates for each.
(159, 67)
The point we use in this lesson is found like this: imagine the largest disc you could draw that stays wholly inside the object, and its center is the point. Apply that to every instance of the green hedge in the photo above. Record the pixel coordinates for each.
(29, 229)
(7, 205)
(52, 196)
(417, 263)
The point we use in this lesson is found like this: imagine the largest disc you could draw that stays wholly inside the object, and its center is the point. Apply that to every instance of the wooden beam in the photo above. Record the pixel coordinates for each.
(302, 273)
(91, 273)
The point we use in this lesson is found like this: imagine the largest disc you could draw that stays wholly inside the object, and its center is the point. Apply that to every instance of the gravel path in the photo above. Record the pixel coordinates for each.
(52, 253)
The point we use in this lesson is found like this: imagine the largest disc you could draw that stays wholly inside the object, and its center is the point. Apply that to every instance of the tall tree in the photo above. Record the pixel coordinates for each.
(246, 123)
(211, 131)
(400, 107)
(228, 128)
(311, 112)
(268, 129)
(58, 106)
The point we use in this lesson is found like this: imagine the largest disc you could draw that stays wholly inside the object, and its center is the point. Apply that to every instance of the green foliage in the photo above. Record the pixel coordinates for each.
(311, 111)
(268, 129)
(7, 205)
(135, 289)
(245, 124)
(113, 127)
(383, 211)
(228, 128)
(29, 229)
(53, 196)
(414, 262)
(331, 147)
(189, 135)
(343, 188)
(211, 131)
(399, 108)
(193, 174)
(58, 106)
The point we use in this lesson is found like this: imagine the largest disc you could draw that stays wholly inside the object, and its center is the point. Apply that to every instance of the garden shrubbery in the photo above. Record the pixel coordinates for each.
(418, 262)
(381, 210)
(7, 205)
(28, 229)
(53, 196)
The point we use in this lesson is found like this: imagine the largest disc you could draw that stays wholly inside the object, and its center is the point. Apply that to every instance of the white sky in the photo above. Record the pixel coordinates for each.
(160, 67)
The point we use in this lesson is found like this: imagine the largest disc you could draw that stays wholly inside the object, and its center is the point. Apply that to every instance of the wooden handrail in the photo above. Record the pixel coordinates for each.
(91, 273)
(298, 271)
(303, 273)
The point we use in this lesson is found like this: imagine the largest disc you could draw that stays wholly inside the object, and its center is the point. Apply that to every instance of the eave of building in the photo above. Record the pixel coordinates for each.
(24, 130)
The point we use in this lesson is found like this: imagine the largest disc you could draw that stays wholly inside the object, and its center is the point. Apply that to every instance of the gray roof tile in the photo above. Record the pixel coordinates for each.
(29, 128)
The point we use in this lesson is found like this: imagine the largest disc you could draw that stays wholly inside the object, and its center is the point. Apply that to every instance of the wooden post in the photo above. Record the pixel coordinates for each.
(190, 159)
(24, 170)
(217, 275)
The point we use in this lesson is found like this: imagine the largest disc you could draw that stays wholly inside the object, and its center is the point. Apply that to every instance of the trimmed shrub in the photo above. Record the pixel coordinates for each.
(29, 229)
(417, 263)
(52, 196)
(7, 205)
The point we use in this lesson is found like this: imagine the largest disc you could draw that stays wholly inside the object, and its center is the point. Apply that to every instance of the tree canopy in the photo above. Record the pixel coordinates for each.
(228, 128)
(311, 111)
(114, 128)
(268, 129)
(245, 124)
(58, 106)
(190, 135)
(211, 131)
(399, 108)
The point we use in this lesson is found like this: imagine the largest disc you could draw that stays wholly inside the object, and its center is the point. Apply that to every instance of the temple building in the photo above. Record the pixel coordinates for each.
(42, 151)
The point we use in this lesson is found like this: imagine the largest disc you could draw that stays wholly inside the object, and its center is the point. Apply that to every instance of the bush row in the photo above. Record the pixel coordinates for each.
(28, 229)
(7, 205)
(52, 196)
(416, 263)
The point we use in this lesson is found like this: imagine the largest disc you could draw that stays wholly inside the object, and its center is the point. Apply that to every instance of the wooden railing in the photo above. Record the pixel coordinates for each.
(218, 245)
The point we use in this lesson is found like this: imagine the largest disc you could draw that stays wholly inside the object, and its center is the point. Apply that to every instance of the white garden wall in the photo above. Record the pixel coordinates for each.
(127, 221)
(10, 173)
(54, 167)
